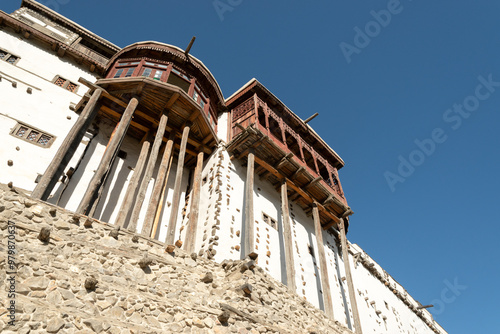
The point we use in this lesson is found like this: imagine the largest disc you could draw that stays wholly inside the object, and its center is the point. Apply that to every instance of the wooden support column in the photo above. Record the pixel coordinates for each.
(170, 239)
(161, 179)
(350, 285)
(127, 203)
(248, 241)
(287, 237)
(153, 156)
(113, 146)
(195, 206)
(325, 283)
(67, 149)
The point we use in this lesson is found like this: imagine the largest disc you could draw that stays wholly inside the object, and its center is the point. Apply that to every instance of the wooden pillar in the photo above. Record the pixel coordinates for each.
(67, 149)
(325, 283)
(127, 203)
(287, 237)
(350, 285)
(248, 241)
(161, 179)
(195, 206)
(170, 239)
(153, 156)
(113, 146)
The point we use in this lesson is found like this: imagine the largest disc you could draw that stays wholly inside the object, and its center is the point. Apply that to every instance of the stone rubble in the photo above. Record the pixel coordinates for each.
(89, 277)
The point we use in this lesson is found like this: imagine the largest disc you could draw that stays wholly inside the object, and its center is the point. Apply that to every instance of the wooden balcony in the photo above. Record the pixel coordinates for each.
(282, 153)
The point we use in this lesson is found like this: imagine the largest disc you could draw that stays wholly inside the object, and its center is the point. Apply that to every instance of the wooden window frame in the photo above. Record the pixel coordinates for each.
(8, 55)
(269, 221)
(66, 84)
(30, 129)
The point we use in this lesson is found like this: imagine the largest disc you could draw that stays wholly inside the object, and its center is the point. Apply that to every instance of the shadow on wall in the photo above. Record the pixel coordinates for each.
(316, 273)
(109, 201)
(342, 290)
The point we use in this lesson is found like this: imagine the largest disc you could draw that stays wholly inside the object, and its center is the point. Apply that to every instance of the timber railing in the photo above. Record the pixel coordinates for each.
(247, 114)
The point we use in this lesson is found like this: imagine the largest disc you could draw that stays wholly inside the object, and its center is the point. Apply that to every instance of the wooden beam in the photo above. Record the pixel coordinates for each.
(330, 224)
(172, 100)
(295, 188)
(158, 188)
(325, 282)
(248, 240)
(153, 157)
(297, 172)
(67, 149)
(283, 161)
(117, 115)
(195, 207)
(127, 203)
(170, 239)
(313, 182)
(350, 284)
(113, 147)
(159, 209)
(287, 238)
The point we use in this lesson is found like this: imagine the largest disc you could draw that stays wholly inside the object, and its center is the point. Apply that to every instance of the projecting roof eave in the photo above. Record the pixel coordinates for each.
(58, 17)
(181, 55)
(254, 82)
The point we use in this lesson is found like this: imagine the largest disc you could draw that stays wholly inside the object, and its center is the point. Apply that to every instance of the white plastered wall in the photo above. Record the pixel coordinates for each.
(46, 108)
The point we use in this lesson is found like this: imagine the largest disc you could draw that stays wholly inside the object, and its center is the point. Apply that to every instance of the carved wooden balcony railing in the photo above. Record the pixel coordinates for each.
(255, 113)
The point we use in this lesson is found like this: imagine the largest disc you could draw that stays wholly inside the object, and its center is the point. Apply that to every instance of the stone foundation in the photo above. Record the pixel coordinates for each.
(141, 288)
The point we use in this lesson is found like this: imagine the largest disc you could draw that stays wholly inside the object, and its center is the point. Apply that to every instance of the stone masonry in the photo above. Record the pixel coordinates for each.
(89, 277)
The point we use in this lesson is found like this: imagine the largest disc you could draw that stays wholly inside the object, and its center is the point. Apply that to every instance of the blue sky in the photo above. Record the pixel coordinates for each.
(404, 83)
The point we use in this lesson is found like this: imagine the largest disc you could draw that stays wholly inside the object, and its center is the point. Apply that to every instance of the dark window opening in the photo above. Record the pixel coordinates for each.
(292, 144)
(323, 172)
(122, 154)
(270, 221)
(309, 160)
(262, 117)
(178, 81)
(274, 128)
(118, 73)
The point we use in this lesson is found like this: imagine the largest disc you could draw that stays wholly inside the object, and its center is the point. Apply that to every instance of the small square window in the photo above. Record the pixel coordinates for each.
(22, 131)
(157, 75)
(60, 82)
(146, 72)
(8, 57)
(71, 87)
(44, 140)
(12, 59)
(32, 136)
(66, 84)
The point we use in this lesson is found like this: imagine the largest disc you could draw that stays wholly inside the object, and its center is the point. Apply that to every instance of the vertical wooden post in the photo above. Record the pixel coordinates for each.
(195, 206)
(325, 283)
(350, 285)
(153, 156)
(170, 239)
(67, 149)
(158, 188)
(287, 237)
(159, 208)
(248, 241)
(113, 147)
(132, 186)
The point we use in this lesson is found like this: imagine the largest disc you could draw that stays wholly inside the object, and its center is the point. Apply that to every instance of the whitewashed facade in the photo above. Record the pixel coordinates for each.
(32, 98)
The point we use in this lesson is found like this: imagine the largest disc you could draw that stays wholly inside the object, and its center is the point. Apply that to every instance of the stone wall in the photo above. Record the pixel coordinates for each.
(141, 287)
